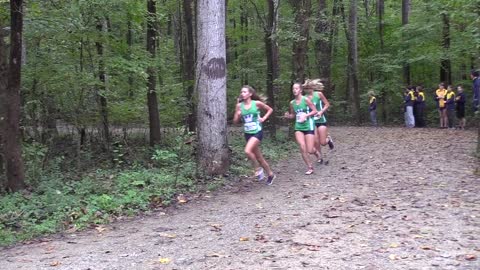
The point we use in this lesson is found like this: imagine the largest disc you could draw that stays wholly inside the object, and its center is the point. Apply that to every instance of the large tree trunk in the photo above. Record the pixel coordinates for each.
(10, 82)
(273, 61)
(189, 62)
(405, 19)
(152, 102)
(445, 69)
(353, 61)
(101, 93)
(211, 83)
(302, 10)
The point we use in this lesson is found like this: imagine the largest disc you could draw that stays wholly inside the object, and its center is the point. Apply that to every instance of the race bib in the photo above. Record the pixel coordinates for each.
(299, 114)
(251, 126)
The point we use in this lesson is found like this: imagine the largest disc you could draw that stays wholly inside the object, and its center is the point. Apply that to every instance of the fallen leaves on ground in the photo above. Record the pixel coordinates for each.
(181, 198)
(243, 239)
(164, 260)
(55, 263)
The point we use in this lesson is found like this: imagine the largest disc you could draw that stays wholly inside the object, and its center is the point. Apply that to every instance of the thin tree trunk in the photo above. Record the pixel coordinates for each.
(130, 52)
(381, 33)
(323, 45)
(353, 61)
(213, 154)
(244, 39)
(12, 138)
(101, 93)
(405, 19)
(189, 63)
(273, 61)
(445, 69)
(152, 102)
(302, 10)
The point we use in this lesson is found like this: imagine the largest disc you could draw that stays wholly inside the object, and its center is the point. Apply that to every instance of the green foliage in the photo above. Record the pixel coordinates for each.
(97, 198)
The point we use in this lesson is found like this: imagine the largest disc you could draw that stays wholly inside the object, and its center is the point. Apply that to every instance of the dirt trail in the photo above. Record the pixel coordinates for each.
(390, 198)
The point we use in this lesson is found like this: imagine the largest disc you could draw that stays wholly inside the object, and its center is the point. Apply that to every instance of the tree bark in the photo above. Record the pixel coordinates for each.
(213, 154)
(405, 19)
(189, 63)
(101, 92)
(302, 10)
(353, 61)
(445, 69)
(10, 83)
(273, 61)
(152, 102)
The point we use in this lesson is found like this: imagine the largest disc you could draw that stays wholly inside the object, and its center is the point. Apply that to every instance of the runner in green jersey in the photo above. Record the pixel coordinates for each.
(321, 103)
(248, 109)
(302, 109)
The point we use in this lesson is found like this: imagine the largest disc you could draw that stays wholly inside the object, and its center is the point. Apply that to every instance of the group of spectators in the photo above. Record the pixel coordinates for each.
(450, 104)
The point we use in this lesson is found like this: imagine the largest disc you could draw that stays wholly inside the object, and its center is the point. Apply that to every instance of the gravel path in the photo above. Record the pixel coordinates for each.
(390, 198)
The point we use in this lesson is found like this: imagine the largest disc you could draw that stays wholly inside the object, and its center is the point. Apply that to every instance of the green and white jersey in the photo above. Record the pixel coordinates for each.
(250, 117)
(317, 101)
(302, 109)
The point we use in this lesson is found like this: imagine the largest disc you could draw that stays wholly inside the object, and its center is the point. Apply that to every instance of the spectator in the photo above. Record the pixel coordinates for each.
(372, 108)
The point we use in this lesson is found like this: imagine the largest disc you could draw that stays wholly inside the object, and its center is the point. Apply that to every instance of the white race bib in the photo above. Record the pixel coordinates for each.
(250, 126)
(299, 114)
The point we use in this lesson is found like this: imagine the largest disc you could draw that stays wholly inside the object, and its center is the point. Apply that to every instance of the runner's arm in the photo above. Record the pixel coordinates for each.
(263, 106)
(237, 114)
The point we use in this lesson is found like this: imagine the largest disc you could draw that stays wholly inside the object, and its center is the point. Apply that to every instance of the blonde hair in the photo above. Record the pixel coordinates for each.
(315, 84)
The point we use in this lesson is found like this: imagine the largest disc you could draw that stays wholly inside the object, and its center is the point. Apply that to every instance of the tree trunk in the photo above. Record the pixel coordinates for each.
(101, 93)
(445, 69)
(273, 61)
(213, 153)
(152, 102)
(10, 83)
(405, 19)
(302, 10)
(353, 61)
(381, 33)
(189, 63)
(323, 44)
(130, 52)
(243, 40)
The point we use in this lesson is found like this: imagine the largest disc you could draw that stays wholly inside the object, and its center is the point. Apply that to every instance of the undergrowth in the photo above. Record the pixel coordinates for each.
(63, 198)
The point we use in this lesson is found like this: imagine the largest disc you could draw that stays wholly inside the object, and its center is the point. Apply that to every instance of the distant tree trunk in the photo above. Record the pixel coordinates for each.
(243, 40)
(381, 33)
(189, 62)
(152, 102)
(130, 52)
(10, 83)
(101, 93)
(273, 61)
(353, 61)
(213, 153)
(446, 69)
(405, 19)
(3, 104)
(323, 44)
(302, 10)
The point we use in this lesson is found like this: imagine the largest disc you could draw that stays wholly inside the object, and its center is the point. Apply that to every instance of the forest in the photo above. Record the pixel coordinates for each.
(109, 108)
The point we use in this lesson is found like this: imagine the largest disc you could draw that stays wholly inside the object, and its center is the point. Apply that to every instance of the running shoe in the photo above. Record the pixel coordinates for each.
(330, 142)
(270, 179)
(259, 174)
(310, 171)
(320, 161)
